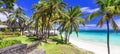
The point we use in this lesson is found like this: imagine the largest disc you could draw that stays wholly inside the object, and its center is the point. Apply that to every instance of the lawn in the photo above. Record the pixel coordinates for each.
(56, 46)
(4, 42)
(23, 39)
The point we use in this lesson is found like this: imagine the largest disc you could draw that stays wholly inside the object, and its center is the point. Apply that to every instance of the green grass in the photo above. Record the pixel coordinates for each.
(6, 43)
(56, 46)
(23, 39)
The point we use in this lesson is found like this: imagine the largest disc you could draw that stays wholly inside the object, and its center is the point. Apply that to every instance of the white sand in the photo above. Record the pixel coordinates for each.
(94, 47)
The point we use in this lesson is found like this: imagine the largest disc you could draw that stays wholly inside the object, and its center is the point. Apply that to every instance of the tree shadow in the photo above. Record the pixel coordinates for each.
(58, 41)
(33, 39)
(0, 38)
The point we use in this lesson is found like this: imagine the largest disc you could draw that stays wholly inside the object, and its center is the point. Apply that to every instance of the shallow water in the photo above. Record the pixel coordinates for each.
(98, 36)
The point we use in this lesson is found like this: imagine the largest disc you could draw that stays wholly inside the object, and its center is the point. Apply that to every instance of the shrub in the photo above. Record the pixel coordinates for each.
(6, 30)
(18, 33)
(6, 43)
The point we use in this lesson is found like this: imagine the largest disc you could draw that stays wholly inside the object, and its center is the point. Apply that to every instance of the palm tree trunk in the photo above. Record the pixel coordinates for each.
(66, 38)
(108, 46)
(49, 21)
(48, 30)
(54, 31)
(36, 28)
(61, 37)
(42, 27)
(21, 30)
(48, 26)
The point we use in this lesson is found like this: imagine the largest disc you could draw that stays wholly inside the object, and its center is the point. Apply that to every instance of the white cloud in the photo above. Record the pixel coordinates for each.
(118, 22)
(89, 10)
(93, 27)
(3, 17)
(15, 6)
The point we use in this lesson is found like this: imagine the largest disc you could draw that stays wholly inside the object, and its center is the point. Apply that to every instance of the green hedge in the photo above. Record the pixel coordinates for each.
(6, 43)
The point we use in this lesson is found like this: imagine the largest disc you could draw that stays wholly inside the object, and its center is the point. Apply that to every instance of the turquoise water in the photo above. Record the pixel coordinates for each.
(98, 36)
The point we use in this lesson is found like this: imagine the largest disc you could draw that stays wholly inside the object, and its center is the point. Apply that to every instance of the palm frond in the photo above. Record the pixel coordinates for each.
(92, 16)
(114, 25)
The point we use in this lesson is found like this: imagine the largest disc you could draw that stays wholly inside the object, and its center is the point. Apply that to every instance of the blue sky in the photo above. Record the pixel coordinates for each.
(87, 6)
(27, 4)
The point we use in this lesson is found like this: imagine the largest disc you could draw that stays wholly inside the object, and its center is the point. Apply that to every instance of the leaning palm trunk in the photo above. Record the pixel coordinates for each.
(66, 38)
(108, 46)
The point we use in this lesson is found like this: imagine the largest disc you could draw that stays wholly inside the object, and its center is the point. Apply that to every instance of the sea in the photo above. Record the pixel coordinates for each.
(97, 36)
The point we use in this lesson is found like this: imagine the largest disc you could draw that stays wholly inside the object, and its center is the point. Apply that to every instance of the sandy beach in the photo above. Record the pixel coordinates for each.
(94, 47)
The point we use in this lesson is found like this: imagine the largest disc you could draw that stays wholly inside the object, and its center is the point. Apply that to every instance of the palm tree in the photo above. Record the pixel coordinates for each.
(45, 11)
(8, 5)
(40, 14)
(55, 6)
(70, 22)
(17, 17)
(108, 9)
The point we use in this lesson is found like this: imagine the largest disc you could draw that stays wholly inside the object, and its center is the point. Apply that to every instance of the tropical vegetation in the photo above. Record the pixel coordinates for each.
(48, 13)
(70, 22)
(17, 18)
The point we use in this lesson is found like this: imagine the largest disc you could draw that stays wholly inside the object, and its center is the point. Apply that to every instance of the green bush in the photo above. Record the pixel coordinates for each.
(6, 30)
(6, 43)
(18, 33)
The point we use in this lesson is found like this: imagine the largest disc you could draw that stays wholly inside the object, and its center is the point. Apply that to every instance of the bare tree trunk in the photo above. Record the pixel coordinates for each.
(108, 46)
